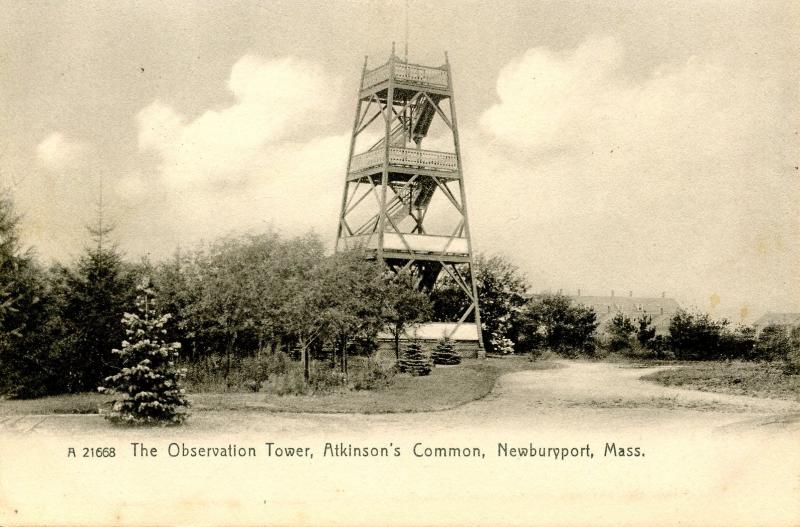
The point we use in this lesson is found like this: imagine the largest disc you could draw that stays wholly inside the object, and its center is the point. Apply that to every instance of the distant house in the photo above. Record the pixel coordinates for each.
(787, 320)
(659, 309)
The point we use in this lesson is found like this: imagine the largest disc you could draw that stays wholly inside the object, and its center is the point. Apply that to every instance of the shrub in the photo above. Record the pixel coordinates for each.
(324, 379)
(562, 326)
(371, 376)
(791, 364)
(621, 331)
(414, 360)
(773, 343)
(288, 383)
(695, 336)
(445, 353)
(207, 374)
(291, 382)
(501, 344)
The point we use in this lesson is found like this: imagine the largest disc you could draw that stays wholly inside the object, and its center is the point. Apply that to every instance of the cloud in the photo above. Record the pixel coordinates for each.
(272, 99)
(679, 180)
(57, 152)
(259, 162)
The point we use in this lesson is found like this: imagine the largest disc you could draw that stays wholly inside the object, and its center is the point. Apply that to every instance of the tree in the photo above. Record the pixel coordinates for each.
(28, 367)
(502, 291)
(148, 381)
(414, 360)
(562, 326)
(445, 353)
(695, 336)
(773, 343)
(621, 331)
(646, 332)
(93, 298)
(404, 306)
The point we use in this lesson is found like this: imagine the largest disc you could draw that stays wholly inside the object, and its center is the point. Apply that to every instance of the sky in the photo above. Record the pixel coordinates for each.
(629, 146)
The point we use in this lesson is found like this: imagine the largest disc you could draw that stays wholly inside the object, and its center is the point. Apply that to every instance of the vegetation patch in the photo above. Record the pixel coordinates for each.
(443, 389)
(755, 379)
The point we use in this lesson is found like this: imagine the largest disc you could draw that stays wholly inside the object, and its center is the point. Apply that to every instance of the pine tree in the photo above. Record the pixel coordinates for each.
(414, 360)
(445, 353)
(149, 382)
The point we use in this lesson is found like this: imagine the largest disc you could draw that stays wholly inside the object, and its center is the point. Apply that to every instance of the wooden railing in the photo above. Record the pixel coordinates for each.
(407, 73)
(408, 157)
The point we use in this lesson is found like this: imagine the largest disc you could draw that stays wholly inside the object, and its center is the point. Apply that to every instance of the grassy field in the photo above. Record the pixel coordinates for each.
(446, 387)
(737, 378)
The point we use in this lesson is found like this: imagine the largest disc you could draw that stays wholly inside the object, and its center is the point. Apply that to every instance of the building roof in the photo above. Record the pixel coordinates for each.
(780, 319)
(436, 330)
(628, 304)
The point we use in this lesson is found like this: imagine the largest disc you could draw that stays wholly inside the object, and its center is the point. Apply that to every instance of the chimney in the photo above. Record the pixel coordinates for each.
(579, 292)
(663, 294)
(612, 293)
(630, 294)
(560, 291)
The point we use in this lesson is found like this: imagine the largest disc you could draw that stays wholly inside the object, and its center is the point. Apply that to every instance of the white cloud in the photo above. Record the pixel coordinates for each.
(681, 180)
(272, 98)
(256, 163)
(57, 152)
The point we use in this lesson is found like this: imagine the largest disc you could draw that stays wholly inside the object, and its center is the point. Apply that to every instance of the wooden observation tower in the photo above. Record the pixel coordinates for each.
(405, 205)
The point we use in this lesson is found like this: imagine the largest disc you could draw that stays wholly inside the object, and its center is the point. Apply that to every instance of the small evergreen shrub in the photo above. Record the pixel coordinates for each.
(149, 383)
(445, 353)
(414, 361)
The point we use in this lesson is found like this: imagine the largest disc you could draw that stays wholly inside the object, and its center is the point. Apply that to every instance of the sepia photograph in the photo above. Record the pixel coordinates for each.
(402, 263)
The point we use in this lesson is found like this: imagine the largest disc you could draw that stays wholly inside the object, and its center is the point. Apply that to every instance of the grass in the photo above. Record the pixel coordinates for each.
(735, 377)
(77, 403)
(446, 387)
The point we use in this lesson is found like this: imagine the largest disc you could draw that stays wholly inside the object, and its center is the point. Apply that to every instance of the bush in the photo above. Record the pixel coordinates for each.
(563, 327)
(207, 374)
(371, 376)
(289, 383)
(414, 360)
(695, 336)
(445, 353)
(773, 343)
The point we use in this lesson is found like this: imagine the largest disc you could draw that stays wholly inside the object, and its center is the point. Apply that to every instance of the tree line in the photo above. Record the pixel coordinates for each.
(245, 296)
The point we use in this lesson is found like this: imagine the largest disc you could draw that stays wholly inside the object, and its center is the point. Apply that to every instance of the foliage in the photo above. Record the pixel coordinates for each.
(791, 365)
(414, 360)
(92, 298)
(502, 293)
(251, 373)
(29, 365)
(148, 382)
(646, 332)
(404, 306)
(562, 326)
(371, 376)
(621, 332)
(695, 336)
(445, 353)
(773, 343)
(759, 379)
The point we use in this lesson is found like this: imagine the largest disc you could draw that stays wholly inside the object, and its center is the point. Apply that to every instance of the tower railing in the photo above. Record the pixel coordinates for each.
(410, 157)
(407, 73)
